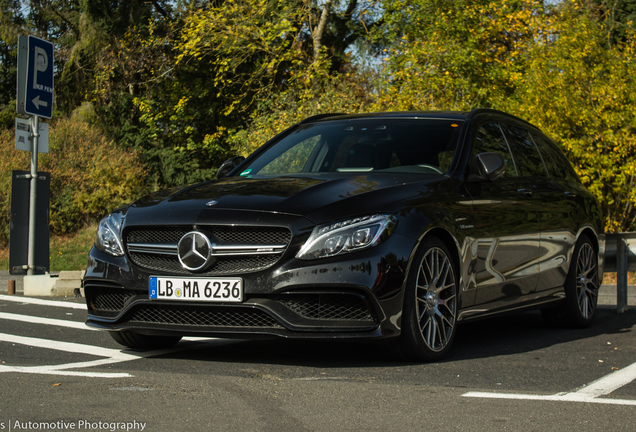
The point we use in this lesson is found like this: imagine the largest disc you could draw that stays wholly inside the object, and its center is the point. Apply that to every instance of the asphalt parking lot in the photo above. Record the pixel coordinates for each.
(509, 373)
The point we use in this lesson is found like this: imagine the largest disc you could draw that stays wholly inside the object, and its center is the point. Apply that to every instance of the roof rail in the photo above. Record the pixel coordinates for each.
(318, 117)
(476, 111)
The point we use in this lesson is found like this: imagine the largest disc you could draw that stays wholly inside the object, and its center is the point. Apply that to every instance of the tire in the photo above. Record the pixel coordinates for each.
(429, 316)
(581, 289)
(143, 342)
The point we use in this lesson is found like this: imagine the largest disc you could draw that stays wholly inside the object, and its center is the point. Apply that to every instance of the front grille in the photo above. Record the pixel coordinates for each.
(157, 235)
(219, 235)
(328, 306)
(202, 317)
(248, 235)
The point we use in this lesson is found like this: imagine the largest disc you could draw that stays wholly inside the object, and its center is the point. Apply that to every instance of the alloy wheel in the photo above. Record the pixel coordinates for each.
(436, 299)
(587, 280)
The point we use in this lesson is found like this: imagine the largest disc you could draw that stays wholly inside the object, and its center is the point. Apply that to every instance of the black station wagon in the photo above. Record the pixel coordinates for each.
(387, 226)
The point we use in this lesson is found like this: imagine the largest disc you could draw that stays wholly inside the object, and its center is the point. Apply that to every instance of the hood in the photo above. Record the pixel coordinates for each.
(317, 197)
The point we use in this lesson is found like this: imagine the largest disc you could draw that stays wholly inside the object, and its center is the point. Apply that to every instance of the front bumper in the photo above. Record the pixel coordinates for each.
(352, 296)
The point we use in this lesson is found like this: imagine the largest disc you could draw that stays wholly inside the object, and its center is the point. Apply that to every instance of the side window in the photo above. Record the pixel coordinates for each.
(529, 161)
(490, 139)
(549, 157)
(558, 165)
(294, 159)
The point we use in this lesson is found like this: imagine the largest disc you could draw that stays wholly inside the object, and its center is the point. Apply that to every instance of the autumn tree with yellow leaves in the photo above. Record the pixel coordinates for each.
(187, 84)
(556, 66)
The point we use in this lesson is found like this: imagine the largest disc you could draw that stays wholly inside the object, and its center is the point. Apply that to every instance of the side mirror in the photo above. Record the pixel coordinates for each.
(487, 167)
(228, 166)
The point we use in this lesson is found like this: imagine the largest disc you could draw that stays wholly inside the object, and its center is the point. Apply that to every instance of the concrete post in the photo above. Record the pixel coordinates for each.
(621, 275)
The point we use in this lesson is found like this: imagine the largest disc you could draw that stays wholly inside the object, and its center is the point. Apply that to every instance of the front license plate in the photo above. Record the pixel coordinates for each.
(197, 289)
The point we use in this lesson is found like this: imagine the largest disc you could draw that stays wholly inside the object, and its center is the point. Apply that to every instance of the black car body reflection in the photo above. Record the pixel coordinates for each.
(390, 226)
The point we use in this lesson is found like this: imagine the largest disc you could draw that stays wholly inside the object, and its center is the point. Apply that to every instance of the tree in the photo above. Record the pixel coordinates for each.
(455, 55)
(211, 70)
(332, 93)
(619, 17)
(581, 91)
(550, 65)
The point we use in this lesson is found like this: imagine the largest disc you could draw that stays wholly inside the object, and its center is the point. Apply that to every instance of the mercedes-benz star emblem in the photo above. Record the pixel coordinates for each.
(194, 251)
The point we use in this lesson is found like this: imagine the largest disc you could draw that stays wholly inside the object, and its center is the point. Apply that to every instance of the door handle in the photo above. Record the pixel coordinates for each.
(525, 192)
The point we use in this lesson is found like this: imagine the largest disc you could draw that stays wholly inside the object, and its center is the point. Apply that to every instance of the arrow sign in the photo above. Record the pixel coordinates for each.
(39, 78)
(38, 103)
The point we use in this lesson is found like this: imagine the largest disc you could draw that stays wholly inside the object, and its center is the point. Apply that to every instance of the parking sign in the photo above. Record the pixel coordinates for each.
(39, 78)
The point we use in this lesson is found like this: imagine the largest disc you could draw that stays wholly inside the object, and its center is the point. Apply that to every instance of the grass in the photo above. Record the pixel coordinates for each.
(67, 252)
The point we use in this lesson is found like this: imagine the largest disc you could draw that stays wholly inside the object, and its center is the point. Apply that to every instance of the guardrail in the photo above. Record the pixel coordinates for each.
(620, 257)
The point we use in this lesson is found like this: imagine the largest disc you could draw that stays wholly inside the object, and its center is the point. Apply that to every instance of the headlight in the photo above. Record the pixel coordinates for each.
(108, 235)
(347, 236)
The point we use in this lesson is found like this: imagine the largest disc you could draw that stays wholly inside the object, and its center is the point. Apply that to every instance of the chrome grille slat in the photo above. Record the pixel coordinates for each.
(164, 249)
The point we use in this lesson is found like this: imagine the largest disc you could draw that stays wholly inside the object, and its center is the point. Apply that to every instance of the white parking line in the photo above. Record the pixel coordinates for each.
(66, 346)
(47, 321)
(49, 370)
(110, 355)
(591, 393)
(36, 301)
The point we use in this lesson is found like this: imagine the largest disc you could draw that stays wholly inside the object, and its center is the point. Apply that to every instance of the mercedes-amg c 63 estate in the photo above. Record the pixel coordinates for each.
(387, 226)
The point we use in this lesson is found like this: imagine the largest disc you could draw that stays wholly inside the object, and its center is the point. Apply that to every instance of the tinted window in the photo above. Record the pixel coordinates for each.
(549, 157)
(490, 139)
(294, 159)
(529, 161)
(558, 165)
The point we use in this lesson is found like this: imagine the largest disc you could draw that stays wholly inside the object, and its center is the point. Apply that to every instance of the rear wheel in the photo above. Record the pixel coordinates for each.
(430, 304)
(581, 289)
(142, 341)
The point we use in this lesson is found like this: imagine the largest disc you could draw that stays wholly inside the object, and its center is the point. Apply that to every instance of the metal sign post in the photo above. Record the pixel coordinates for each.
(34, 97)
(33, 195)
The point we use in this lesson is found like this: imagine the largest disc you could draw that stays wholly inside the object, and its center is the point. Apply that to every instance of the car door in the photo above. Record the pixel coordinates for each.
(559, 214)
(505, 230)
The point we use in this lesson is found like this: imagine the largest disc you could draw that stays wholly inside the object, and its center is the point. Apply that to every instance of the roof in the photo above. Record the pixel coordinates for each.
(390, 114)
(449, 115)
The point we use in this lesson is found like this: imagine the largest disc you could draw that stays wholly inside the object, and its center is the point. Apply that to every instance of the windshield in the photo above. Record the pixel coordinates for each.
(363, 145)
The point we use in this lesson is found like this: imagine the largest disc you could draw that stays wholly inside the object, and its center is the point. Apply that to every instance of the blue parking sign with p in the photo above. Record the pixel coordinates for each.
(39, 79)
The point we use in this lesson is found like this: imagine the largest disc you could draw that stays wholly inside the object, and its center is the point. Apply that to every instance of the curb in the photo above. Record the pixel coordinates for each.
(607, 295)
(64, 284)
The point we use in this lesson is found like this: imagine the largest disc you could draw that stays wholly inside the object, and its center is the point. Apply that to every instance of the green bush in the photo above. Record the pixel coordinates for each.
(90, 175)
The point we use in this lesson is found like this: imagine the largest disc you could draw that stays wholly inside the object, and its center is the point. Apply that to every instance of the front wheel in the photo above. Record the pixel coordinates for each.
(429, 316)
(143, 342)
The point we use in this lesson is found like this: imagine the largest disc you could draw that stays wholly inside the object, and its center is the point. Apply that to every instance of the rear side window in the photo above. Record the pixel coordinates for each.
(528, 158)
(490, 139)
(549, 157)
(556, 162)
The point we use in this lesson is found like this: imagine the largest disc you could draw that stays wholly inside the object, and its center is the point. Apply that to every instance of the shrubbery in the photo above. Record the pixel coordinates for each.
(89, 174)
